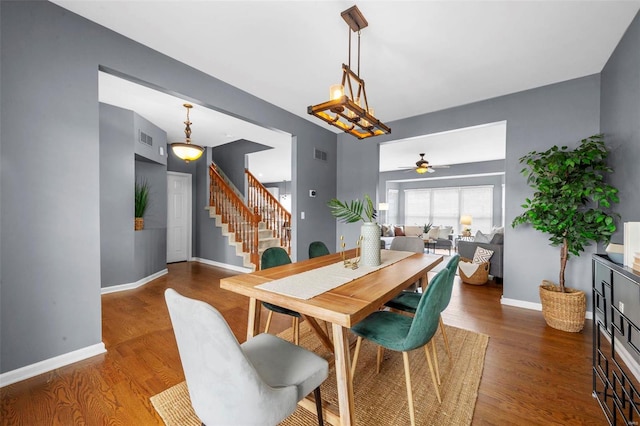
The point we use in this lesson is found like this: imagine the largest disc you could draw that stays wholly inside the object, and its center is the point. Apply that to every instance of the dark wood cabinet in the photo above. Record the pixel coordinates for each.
(616, 340)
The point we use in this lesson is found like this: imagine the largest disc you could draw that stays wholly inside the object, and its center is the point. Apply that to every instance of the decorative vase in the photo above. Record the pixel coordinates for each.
(370, 244)
(138, 224)
(563, 311)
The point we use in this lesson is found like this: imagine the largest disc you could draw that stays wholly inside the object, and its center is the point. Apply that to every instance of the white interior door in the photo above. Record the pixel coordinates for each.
(178, 217)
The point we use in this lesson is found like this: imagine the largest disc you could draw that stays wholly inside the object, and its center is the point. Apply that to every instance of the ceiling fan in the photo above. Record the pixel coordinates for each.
(422, 166)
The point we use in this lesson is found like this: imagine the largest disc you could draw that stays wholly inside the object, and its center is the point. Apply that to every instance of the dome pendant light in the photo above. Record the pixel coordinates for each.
(186, 150)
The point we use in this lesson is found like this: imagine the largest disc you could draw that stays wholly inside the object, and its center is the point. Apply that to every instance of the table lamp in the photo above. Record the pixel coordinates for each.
(465, 220)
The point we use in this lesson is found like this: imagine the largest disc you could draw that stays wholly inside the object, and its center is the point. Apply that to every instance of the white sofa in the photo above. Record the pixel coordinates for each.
(442, 241)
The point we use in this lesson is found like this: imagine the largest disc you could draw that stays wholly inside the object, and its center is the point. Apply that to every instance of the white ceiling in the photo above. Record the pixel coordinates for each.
(208, 128)
(417, 56)
(468, 145)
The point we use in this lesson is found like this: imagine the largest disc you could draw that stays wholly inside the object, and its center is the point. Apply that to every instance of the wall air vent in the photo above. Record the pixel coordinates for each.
(319, 155)
(145, 138)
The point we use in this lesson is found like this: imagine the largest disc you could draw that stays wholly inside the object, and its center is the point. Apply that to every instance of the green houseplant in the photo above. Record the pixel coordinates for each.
(141, 202)
(571, 203)
(355, 211)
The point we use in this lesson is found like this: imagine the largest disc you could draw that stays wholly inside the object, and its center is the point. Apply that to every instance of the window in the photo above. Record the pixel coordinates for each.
(477, 202)
(417, 206)
(444, 206)
(392, 213)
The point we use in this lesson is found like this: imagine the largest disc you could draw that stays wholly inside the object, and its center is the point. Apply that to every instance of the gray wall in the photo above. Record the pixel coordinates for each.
(310, 173)
(536, 119)
(127, 256)
(117, 175)
(50, 262)
(620, 122)
(230, 157)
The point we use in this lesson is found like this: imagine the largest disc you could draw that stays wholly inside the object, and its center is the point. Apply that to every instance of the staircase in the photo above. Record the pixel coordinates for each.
(251, 227)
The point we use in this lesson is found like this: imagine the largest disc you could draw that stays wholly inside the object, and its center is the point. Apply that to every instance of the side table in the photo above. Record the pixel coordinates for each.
(430, 245)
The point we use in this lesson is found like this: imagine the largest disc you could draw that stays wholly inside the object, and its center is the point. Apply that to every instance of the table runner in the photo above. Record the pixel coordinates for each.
(317, 281)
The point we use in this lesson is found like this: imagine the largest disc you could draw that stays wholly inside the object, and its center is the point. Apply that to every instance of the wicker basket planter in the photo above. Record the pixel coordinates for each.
(479, 277)
(563, 311)
(138, 224)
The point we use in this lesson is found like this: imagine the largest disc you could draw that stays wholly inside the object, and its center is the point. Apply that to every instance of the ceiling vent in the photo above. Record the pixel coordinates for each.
(145, 138)
(319, 155)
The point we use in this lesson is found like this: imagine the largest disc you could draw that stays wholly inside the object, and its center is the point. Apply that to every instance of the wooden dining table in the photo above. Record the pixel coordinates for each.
(342, 306)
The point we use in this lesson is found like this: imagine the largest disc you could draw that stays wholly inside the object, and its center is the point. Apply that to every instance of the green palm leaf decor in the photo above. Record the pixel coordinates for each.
(352, 211)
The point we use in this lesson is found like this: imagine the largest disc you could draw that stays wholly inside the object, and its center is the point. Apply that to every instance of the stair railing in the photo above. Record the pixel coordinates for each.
(240, 219)
(274, 215)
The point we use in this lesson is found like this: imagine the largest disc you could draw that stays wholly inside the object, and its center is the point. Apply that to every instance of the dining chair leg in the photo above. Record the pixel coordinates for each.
(435, 360)
(296, 330)
(433, 376)
(355, 358)
(407, 376)
(379, 358)
(266, 328)
(316, 396)
(445, 338)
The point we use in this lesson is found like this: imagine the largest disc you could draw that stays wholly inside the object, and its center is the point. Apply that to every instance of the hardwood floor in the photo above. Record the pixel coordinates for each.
(533, 375)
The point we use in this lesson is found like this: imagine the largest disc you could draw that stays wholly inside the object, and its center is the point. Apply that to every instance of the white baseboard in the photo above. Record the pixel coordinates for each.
(222, 265)
(531, 305)
(41, 367)
(131, 286)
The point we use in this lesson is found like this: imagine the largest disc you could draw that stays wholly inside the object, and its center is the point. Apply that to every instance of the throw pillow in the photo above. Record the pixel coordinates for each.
(497, 230)
(398, 232)
(482, 255)
(497, 239)
(481, 238)
(444, 232)
(433, 232)
(387, 231)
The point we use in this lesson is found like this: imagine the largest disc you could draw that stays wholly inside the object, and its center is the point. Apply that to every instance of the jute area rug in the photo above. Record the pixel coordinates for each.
(380, 399)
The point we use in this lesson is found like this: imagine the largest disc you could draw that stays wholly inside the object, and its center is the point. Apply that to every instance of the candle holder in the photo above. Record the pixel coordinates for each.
(350, 263)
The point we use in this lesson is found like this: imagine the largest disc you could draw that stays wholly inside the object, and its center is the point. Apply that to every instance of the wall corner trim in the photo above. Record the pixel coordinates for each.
(222, 265)
(41, 367)
(131, 286)
(532, 305)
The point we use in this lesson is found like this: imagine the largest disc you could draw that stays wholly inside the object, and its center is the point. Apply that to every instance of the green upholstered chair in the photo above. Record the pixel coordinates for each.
(317, 249)
(276, 256)
(407, 301)
(256, 383)
(403, 333)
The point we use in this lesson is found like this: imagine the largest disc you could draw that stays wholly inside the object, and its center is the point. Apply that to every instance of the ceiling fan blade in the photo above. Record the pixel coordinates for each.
(444, 166)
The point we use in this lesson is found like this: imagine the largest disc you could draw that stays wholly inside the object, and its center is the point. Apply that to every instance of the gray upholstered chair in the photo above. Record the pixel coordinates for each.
(256, 383)
(414, 244)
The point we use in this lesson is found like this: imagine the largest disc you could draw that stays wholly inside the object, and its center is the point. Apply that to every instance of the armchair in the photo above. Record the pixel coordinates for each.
(468, 248)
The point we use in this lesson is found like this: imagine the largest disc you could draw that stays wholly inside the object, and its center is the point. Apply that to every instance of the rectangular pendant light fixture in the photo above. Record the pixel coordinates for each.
(348, 108)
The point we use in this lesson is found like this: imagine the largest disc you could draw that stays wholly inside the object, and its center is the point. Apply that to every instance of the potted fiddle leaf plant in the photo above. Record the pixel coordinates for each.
(571, 203)
(141, 202)
(356, 211)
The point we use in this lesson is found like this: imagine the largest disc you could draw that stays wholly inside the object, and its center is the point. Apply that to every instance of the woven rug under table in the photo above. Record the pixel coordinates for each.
(380, 399)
